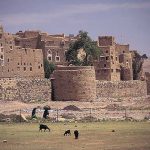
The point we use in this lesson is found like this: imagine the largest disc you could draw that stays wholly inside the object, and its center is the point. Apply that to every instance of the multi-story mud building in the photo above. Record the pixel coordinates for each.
(16, 61)
(53, 46)
(115, 63)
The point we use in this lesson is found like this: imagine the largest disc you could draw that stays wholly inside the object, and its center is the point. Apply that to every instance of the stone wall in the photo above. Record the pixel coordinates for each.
(74, 83)
(121, 89)
(25, 90)
(147, 75)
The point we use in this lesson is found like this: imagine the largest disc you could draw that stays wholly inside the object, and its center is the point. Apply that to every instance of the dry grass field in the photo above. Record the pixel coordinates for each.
(93, 136)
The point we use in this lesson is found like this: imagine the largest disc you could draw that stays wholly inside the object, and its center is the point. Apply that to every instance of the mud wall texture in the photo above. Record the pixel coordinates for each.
(74, 83)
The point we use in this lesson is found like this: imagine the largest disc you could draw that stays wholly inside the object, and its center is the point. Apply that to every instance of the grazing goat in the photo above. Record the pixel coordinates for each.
(43, 126)
(76, 134)
(67, 132)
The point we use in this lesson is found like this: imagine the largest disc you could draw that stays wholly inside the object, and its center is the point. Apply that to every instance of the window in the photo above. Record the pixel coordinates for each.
(112, 57)
(104, 65)
(30, 68)
(106, 51)
(1, 44)
(11, 47)
(38, 67)
(49, 55)
(18, 63)
(112, 70)
(107, 57)
(8, 60)
(57, 58)
(24, 68)
(2, 56)
(41, 65)
(116, 58)
(49, 58)
(123, 51)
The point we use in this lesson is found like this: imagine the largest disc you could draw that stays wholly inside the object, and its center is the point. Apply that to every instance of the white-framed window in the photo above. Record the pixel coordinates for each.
(57, 57)
(49, 55)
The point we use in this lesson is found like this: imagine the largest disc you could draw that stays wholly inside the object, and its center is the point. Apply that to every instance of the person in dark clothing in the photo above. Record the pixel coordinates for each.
(34, 113)
(46, 113)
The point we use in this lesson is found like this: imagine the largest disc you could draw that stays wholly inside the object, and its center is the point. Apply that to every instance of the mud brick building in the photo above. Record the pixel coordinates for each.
(16, 61)
(115, 63)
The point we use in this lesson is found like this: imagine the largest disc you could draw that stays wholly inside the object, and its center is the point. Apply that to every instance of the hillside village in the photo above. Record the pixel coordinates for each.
(105, 83)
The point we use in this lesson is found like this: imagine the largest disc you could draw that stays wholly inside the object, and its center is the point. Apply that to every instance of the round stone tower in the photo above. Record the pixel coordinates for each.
(74, 83)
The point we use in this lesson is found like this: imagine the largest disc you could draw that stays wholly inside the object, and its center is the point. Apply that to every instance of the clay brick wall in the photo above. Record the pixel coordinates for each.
(74, 83)
(121, 89)
(122, 48)
(27, 42)
(105, 40)
(126, 63)
(26, 90)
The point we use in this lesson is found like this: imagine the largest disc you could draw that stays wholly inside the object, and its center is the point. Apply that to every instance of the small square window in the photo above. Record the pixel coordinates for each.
(107, 57)
(57, 58)
(49, 58)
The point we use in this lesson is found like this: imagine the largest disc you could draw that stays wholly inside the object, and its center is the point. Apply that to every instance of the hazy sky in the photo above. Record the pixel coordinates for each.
(127, 20)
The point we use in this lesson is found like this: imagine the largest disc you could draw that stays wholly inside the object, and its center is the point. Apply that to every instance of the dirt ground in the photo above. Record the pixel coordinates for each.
(137, 108)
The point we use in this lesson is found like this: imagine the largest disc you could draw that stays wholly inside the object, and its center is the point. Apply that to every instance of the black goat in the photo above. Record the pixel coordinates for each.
(67, 132)
(43, 126)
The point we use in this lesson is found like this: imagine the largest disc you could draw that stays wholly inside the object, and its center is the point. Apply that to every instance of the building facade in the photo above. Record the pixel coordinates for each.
(115, 63)
(16, 61)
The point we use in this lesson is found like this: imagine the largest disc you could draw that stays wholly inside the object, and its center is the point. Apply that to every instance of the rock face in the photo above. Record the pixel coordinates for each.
(26, 90)
(74, 83)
